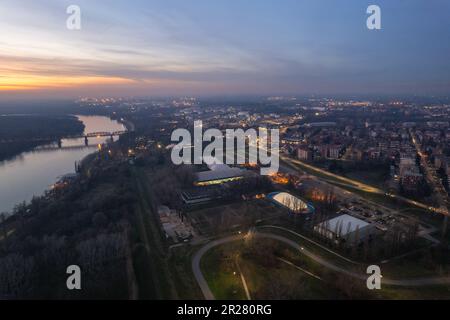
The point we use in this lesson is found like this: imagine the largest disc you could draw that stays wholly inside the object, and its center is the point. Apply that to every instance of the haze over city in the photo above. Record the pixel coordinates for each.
(247, 151)
(143, 48)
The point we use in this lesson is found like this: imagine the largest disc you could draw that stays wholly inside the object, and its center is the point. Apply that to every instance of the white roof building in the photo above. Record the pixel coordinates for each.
(288, 200)
(344, 226)
(291, 202)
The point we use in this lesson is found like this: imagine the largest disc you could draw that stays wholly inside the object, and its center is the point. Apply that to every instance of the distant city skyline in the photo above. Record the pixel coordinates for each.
(157, 48)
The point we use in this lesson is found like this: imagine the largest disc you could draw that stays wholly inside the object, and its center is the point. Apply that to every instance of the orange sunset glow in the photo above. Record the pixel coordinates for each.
(13, 82)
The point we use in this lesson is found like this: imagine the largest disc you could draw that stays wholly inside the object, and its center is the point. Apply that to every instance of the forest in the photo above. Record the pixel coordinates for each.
(18, 131)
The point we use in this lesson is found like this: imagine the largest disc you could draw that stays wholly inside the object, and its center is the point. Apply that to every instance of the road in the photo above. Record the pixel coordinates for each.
(244, 282)
(344, 181)
(310, 241)
(287, 165)
(350, 183)
(196, 263)
(440, 193)
(323, 262)
(338, 189)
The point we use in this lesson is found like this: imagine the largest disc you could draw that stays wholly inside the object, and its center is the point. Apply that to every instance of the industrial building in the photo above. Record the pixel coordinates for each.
(218, 173)
(196, 195)
(344, 227)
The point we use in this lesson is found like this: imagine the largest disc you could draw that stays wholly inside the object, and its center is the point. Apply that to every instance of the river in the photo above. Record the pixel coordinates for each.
(31, 173)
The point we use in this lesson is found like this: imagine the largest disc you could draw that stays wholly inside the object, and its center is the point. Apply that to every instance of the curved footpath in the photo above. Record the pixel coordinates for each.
(331, 266)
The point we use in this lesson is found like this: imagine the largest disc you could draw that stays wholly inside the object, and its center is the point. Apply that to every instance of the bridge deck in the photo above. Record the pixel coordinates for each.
(84, 135)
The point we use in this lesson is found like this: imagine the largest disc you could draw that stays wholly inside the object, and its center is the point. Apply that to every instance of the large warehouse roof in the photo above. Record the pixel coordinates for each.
(219, 174)
(345, 223)
(218, 167)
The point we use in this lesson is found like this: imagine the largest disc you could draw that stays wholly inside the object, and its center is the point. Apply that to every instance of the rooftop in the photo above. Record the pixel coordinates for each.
(346, 223)
(291, 202)
(219, 174)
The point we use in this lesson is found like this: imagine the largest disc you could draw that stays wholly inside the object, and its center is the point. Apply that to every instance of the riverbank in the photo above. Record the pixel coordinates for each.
(32, 172)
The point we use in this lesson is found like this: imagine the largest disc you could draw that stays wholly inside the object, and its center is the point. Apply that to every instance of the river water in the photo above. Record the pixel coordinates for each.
(31, 173)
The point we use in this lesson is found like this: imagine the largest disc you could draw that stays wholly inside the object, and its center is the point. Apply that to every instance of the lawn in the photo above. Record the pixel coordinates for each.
(268, 277)
(279, 280)
(375, 177)
(416, 265)
(219, 271)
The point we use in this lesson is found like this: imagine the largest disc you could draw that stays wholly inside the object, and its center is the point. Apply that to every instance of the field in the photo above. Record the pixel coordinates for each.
(239, 216)
(271, 270)
(277, 273)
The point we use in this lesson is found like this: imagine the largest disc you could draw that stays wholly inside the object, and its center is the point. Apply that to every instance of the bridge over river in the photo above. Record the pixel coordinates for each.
(86, 137)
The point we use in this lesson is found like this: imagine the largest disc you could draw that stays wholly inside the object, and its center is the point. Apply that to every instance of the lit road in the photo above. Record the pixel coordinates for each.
(207, 293)
(361, 186)
(352, 183)
(347, 182)
(439, 192)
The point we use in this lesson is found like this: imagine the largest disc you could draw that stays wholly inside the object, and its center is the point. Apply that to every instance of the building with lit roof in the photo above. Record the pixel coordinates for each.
(218, 173)
(290, 202)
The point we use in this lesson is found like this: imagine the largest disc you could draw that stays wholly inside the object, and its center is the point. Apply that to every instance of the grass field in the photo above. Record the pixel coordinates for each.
(220, 271)
(375, 178)
(416, 265)
(268, 277)
(272, 279)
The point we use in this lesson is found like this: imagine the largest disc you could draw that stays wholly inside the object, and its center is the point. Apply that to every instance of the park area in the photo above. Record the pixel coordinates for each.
(216, 220)
(260, 269)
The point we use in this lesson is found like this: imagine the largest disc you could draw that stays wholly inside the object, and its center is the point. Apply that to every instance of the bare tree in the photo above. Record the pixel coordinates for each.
(16, 275)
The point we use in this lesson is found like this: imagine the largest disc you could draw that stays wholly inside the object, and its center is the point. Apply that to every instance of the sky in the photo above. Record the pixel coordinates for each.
(223, 47)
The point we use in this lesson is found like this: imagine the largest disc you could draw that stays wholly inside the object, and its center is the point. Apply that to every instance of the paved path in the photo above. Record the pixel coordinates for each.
(196, 263)
(244, 282)
(300, 268)
(311, 241)
(331, 266)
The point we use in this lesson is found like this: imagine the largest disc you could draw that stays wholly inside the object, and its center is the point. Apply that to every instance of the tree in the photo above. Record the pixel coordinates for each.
(16, 275)
(3, 233)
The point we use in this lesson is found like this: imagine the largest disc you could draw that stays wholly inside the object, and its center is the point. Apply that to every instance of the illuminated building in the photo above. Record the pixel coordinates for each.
(290, 202)
(218, 174)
